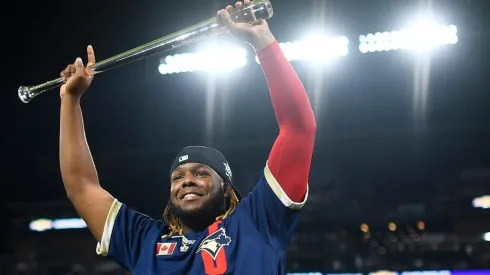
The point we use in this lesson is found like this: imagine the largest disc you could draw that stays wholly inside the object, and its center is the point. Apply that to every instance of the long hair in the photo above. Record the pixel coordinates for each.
(175, 224)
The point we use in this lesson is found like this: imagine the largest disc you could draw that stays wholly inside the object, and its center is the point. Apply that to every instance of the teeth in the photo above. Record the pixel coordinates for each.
(189, 195)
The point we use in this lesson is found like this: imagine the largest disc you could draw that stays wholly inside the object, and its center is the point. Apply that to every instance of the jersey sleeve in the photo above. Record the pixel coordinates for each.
(125, 233)
(275, 215)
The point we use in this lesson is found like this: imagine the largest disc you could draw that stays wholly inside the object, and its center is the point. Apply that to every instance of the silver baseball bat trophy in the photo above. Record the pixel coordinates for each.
(256, 11)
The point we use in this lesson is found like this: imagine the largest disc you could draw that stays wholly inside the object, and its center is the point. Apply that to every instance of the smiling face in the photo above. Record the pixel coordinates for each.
(196, 190)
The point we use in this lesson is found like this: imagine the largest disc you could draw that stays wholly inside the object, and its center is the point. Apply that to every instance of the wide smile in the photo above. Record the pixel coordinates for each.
(191, 196)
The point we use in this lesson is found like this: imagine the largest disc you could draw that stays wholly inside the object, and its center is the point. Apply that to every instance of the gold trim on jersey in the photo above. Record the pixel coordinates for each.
(103, 245)
(283, 197)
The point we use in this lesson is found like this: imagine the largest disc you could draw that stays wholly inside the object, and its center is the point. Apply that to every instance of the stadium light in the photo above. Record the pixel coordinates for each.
(213, 59)
(224, 58)
(486, 237)
(481, 202)
(316, 49)
(41, 225)
(420, 36)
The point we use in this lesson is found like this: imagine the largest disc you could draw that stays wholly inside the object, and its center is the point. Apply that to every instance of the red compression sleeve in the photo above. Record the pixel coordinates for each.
(290, 157)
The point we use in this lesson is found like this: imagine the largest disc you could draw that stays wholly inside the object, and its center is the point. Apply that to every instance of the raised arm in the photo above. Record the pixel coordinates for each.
(290, 157)
(77, 168)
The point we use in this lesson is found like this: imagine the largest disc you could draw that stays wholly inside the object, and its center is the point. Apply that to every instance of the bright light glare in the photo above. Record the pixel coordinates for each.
(481, 202)
(73, 223)
(224, 59)
(320, 48)
(41, 225)
(213, 59)
(421, 35)
(317, 49)
(486, 237)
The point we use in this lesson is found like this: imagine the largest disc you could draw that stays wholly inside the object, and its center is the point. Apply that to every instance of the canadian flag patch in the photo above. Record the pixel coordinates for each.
(165, 248)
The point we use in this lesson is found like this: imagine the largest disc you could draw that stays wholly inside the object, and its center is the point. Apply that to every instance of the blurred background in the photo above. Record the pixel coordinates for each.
(400, 179)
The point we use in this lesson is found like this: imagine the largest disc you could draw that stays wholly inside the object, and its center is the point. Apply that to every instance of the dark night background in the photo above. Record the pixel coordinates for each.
(376, 159)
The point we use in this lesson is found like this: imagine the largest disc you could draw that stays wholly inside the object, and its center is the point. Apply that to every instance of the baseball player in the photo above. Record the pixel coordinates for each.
(207, 227)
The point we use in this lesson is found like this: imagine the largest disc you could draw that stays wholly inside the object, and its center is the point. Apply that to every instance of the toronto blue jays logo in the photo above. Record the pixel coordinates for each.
(213, 243)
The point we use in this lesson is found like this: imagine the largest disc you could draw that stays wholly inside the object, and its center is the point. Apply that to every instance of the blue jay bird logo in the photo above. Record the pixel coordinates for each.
(213, 243)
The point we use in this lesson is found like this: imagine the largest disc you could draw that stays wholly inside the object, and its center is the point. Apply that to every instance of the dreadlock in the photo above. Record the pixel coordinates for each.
(175, 225)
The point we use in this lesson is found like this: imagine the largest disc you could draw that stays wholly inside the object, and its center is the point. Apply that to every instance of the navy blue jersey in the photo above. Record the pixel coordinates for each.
(252, 240)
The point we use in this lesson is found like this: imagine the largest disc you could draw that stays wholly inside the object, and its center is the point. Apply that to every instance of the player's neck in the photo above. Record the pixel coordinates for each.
(186, 229)
(195, 226)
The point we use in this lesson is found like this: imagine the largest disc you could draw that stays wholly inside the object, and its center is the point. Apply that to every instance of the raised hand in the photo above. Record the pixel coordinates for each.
(258, 34)
(77, 77)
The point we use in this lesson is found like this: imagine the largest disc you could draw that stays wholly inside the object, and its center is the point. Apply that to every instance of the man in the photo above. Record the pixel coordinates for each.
(208, 228)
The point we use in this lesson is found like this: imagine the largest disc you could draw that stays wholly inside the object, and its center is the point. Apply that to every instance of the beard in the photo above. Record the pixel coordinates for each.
(204, 216)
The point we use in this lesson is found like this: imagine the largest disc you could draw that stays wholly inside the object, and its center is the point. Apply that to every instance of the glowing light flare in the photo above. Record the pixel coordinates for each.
(41, 225)
(213, 59)
(482, 202)
(486, 237)
(392, 226)
(364, 228)
(316, 49)
(322, 48)
(420, 36)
